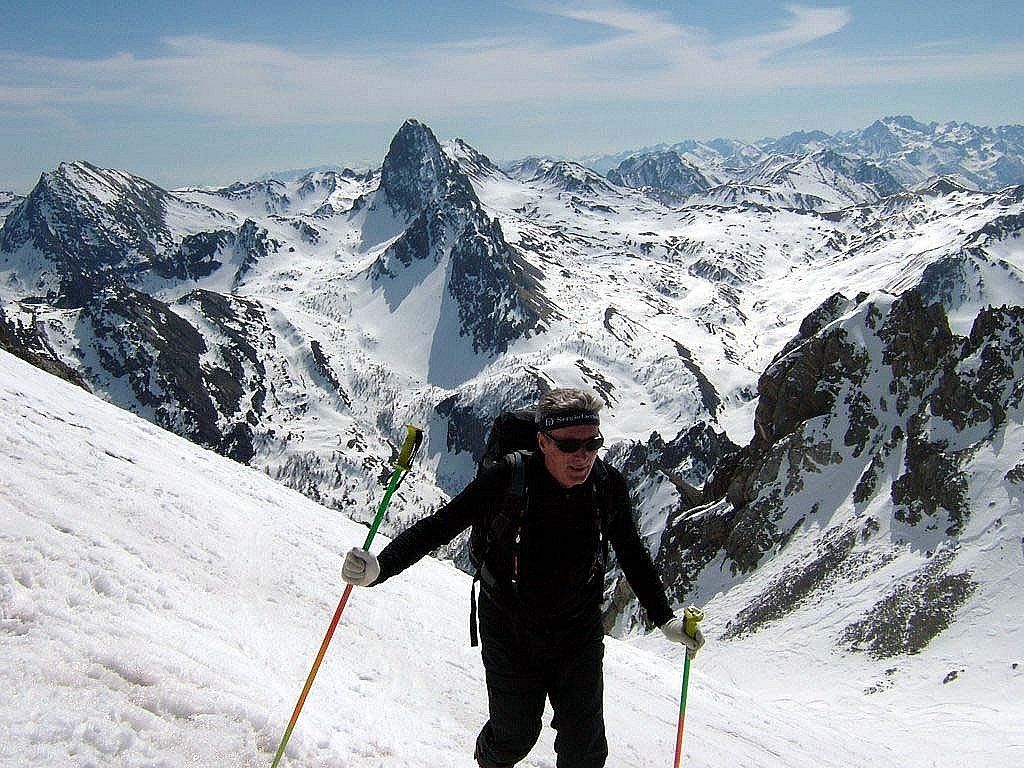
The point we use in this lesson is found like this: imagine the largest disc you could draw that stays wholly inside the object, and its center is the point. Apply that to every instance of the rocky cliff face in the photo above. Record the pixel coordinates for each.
(867, 425)
(200, 255)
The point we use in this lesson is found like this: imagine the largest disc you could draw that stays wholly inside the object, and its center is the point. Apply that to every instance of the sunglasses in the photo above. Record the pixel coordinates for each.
(573, 444)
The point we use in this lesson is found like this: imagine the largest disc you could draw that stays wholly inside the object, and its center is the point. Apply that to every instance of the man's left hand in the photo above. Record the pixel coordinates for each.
(675, 630)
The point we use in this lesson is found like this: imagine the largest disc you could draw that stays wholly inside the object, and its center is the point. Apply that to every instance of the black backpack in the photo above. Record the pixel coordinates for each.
(513, 439)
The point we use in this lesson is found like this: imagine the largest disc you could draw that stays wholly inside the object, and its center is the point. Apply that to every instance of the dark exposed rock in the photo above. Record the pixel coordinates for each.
(158, 352)
(417, 173)
(710, 398)
(252, 243)
(830, 310)
(714, 271)
(98, 228)
(686, 460)
(917, 342)
(802, 381)
(753, 532)
(690, 542)
(795, 584)
(950, 281)
(212, 400)
(499, 295)
(913, 613)
(195, 257)
(322, 364)
(240, 321)
(936, 377)
(932, 483)
(867, 486)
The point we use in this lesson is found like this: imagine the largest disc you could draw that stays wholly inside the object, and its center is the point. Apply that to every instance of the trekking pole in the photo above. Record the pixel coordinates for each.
(413, 439)
(691, 617)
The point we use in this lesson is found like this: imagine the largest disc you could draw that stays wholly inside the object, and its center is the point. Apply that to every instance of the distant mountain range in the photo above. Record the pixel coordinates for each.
(911, 152)
(811, 348)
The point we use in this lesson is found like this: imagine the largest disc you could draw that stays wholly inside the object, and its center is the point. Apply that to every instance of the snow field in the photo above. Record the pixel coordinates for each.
(160, 606)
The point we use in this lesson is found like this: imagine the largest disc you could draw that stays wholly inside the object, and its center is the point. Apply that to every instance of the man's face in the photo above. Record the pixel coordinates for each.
(568, 469)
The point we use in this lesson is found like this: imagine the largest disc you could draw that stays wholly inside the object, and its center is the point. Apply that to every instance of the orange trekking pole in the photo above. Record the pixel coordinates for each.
(413, 439)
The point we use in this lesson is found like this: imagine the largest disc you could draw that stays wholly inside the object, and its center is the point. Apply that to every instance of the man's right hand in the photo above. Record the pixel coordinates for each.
(360, 568)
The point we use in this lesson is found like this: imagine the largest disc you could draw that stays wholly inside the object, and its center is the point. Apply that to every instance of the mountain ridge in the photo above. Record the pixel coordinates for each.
(985, 158)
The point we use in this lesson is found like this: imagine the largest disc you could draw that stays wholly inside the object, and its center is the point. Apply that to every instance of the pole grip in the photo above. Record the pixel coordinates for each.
(692, 616)
(413, 440)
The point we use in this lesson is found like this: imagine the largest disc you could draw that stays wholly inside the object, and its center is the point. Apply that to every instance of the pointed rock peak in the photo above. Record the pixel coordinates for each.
(416, 172)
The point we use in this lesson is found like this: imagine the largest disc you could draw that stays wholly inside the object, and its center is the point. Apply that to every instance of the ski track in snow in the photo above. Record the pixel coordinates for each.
(160, 606)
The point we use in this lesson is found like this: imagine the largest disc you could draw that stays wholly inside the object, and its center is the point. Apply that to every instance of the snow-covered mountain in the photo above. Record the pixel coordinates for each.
(820, 180)
(665, 176)
(909, 151)
(981, 157)
(836, 180)
(294, 326)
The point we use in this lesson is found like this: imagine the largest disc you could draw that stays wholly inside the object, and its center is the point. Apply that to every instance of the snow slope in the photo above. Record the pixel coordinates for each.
(160, 606)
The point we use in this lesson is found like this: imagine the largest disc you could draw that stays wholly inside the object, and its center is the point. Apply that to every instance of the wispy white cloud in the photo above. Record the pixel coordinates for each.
(640, 54)
(803, 26)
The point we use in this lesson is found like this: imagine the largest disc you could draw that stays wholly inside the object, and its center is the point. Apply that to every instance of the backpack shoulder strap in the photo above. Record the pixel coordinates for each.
(511, 513)
(517, 483)
(604, 509)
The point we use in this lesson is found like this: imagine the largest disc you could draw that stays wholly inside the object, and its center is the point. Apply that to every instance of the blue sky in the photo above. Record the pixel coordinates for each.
(206, 93)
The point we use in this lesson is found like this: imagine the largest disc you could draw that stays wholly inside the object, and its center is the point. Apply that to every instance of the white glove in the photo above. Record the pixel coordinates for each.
(675, 630)
(360, 568)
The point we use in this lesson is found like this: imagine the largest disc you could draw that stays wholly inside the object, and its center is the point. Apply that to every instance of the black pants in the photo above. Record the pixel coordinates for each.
(524, 665)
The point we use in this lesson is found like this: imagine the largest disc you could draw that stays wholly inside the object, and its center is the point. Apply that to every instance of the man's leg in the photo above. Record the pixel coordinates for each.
(515, 692)
(577, 698)
(515, 712)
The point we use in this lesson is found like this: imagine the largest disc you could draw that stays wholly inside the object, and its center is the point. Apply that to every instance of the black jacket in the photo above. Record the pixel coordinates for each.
(559, 542)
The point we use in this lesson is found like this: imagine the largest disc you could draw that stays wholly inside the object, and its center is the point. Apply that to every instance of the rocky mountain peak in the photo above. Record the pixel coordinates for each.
(941, 187)
(90, 223)
(417, 173)
(663, 175)
(908, 123)
(495, 296)
(798, 142)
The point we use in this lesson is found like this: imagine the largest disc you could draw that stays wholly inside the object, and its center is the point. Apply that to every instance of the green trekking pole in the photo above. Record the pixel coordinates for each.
(413, 439)
(691, 617)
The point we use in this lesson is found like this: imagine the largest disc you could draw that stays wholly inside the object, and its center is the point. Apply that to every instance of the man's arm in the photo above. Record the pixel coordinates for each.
(438, 529)
(633, 556)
